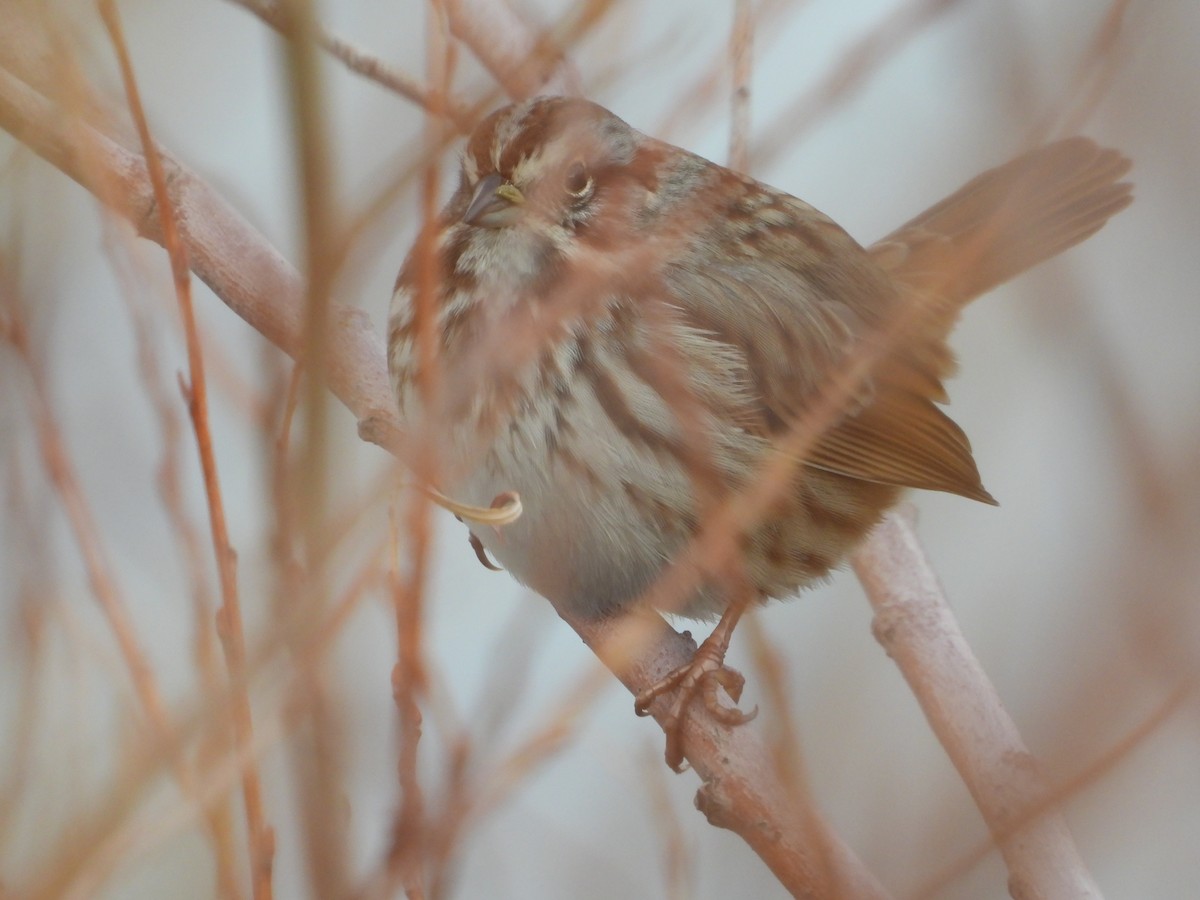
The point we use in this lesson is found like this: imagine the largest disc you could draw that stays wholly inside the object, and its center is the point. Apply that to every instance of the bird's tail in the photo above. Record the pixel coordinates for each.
(1005, 221)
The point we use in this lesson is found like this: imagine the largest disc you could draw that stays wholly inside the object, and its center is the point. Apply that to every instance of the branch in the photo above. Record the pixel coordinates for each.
(743, 789)
(225, 251)
(917, 629)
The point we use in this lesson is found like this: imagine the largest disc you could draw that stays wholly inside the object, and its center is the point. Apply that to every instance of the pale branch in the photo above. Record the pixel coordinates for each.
(916, 627)
(226, 252)
(743, 789)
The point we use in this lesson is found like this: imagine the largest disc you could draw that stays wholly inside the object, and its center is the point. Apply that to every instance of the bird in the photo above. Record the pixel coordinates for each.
(623, 334)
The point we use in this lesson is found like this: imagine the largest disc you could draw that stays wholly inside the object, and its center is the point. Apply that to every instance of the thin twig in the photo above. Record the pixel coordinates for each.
(1091, 79)
(317, 765)
(215, 743)
(25, 630)
(678, 857)
(462, 114)
(857, 64)
(701, 97)
(104, 588)
(405, 861)
(507, 46)
(195, 391)
(741, 51)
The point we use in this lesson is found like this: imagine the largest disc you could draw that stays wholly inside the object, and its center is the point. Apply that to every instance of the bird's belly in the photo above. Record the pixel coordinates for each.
(600, 516)
(604, 512)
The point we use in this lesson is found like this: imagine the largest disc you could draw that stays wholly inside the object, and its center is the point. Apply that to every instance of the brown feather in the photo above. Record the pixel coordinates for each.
(1006, 221)
(993, 228)
(902, 439)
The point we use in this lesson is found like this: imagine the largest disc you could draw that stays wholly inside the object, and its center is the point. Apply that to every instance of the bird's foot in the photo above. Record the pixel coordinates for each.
(701, 676)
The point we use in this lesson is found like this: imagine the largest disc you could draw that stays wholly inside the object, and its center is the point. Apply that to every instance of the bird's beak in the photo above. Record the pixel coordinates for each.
(495, 203)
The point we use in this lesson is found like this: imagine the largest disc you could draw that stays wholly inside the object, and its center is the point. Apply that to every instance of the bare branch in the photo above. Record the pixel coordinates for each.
(742, 789)
(225, 251)
(915, 626)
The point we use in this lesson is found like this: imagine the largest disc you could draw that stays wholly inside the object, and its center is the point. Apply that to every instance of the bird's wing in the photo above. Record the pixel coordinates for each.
(795, 310)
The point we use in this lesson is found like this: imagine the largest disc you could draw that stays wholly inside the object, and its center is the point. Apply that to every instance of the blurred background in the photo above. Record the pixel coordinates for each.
(1078, 389)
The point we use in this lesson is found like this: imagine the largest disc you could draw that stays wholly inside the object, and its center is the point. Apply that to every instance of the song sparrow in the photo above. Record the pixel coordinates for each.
(624, 331)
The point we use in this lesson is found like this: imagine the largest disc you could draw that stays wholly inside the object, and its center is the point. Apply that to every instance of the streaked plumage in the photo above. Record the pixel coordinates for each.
(627, 330)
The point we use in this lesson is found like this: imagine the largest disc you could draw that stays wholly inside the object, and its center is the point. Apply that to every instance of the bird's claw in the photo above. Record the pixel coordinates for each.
(701, 676)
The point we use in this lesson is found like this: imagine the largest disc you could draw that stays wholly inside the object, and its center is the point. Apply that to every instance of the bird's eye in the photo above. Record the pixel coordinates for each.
(578, 182)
